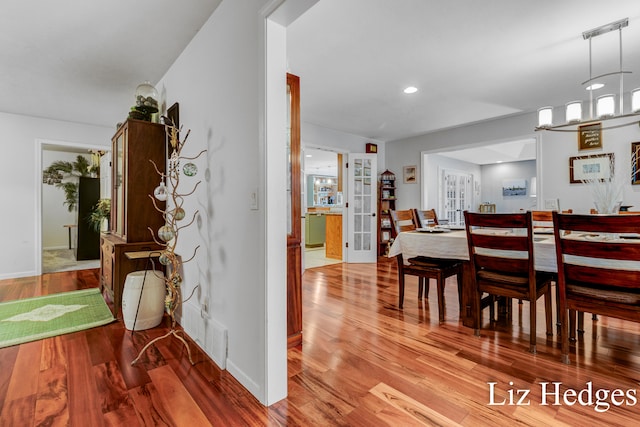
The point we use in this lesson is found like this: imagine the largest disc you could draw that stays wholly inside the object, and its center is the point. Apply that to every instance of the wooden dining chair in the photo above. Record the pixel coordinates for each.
(425, 218)
(425, 268)
(502, 263)
(598, 271)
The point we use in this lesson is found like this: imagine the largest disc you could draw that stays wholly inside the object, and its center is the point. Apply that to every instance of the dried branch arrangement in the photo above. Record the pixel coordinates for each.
(608, 192)
(167, 235)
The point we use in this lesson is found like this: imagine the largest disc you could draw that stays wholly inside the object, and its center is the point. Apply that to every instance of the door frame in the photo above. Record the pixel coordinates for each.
(345, 188)
(40, 145)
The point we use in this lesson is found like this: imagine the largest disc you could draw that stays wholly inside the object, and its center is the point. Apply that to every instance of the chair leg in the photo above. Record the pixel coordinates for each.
(565, 336)
(479, 313)
(440, 290)
(548, 311)
(572, 325)
(400, 290)
(532, 325)
(581, 322)
(459, 279)
(492, 309)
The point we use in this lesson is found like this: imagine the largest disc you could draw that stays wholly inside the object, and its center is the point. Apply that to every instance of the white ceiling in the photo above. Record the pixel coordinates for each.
(81, 61)
(472, 61)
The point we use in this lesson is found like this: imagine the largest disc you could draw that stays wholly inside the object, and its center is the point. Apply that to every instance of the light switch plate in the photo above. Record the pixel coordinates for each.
(253, 200)
(552, 204)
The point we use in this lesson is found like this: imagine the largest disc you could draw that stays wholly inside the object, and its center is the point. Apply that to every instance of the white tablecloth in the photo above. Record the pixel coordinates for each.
(453, 245)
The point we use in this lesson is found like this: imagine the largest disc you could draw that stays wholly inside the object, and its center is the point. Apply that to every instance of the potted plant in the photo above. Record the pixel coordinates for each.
(100, 215)
(81, 167)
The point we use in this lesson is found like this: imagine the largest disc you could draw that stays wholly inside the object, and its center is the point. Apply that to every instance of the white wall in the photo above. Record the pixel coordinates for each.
(492, 179)
(318, 136)
(429, 179)
(20, 181)
(554, 151)
(218, 82)
(557, 148)
(407, 151)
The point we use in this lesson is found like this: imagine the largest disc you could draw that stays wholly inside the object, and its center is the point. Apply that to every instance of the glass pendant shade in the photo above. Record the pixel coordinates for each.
(635, 100)
(545, 116)
(161, 193)
(574, 111)
(605, 106)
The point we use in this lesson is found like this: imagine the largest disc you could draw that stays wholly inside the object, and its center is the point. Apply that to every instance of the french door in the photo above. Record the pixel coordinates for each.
(456, 195)
(362, 206)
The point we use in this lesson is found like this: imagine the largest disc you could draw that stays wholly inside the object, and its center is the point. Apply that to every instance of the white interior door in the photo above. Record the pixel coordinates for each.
(362, 207)
(455, 195)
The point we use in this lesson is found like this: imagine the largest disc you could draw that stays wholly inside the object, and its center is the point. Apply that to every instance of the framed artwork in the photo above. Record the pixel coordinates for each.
(371, 148)
(514, 187)
(409, 173)
(591, 168)
(173, 113)
(635, 163)
(590, 136)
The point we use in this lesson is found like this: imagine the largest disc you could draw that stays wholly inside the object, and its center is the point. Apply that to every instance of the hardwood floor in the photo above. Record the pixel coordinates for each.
(363, 362)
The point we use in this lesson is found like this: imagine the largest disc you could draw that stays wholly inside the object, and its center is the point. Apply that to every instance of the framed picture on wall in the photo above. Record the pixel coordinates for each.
(635, 163)
(409, 173)
(591, 168)
(590, 136)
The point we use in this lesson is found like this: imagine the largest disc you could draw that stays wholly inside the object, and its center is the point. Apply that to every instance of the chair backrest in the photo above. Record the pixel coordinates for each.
(629, 212)
(403, 220)
(501, 243)
(546, 216)
(594, 255)
(425, 218)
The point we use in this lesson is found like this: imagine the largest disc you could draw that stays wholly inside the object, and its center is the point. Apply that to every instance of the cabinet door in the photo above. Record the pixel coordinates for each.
(119, 187)
(106, 268)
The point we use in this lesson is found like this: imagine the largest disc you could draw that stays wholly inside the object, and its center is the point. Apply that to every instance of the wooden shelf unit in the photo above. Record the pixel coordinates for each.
(386, 202)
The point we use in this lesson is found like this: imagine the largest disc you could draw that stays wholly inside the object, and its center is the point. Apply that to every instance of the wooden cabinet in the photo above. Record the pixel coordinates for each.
(386, 202)
(333, 247)
(133, 180)
(115, 265)
(315, 230)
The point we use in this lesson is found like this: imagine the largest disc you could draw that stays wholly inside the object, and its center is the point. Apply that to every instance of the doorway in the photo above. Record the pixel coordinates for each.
(56, 224)
(322, 202)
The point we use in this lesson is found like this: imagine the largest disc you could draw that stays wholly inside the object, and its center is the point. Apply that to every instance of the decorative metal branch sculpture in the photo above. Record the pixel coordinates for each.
(167, 235)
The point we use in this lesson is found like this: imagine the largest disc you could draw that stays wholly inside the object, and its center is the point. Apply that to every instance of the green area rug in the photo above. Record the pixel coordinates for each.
(47, 316)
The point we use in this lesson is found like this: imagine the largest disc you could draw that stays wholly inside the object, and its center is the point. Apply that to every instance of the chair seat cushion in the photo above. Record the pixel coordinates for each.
(422, 261)
(610, 295)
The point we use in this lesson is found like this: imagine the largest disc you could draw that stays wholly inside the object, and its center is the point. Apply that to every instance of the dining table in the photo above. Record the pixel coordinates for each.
(442, 242)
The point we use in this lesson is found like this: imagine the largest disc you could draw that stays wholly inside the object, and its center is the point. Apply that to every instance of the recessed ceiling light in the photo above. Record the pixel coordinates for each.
(595, 86)
(308, 155)
(411, 89)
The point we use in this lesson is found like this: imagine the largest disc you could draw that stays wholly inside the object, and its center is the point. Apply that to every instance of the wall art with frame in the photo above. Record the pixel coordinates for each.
(635, 163)
(598, 167)
(409, 174)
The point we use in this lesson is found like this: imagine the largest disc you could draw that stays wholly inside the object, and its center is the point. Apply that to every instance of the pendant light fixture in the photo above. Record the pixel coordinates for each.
(604, 106)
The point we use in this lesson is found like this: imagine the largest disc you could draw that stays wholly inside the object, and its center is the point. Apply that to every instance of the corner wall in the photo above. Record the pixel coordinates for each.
(20, 182)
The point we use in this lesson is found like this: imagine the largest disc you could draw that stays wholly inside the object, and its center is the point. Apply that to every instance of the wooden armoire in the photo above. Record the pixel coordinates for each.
(133, 181)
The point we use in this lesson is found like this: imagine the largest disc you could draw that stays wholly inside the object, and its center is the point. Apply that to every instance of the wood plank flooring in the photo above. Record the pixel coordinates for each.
(363, 362)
